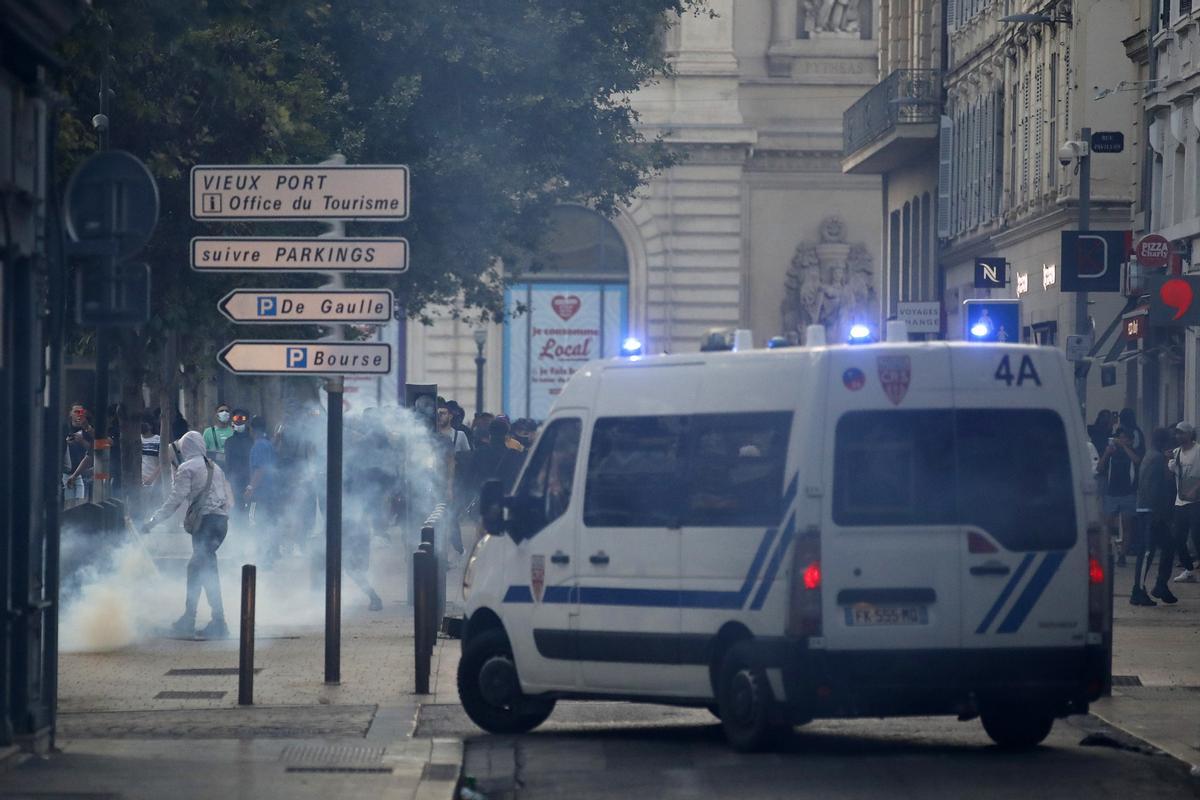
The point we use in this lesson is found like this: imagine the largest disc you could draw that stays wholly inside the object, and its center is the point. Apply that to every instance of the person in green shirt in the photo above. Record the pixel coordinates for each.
(215, 436)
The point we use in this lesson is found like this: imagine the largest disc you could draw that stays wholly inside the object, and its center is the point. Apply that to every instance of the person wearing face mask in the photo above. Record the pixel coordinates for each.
(237, 462)
(215, 436)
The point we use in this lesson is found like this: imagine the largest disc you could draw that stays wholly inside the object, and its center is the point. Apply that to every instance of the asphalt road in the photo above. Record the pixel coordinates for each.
(618, 750)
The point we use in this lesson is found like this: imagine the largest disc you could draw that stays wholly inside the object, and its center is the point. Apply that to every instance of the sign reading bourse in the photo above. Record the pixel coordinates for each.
(565, 325)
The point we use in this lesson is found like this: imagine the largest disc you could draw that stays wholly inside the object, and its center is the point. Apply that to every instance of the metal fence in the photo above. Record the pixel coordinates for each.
(906, 97)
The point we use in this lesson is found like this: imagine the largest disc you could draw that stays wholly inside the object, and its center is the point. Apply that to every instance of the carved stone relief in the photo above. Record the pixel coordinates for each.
(830, 282)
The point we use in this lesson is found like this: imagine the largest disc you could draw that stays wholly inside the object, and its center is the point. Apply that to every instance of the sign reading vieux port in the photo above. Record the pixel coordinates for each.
(324, 191)
(256, 357)
(298, 254)
(283, 306)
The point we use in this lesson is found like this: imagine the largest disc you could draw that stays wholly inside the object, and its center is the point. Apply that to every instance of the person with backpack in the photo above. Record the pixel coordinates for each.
(215, 436)
(201, 484)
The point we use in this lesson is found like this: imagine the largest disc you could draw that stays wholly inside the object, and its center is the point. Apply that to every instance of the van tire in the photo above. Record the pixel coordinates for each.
(522, 714)
(1017, 730)
(745, 704)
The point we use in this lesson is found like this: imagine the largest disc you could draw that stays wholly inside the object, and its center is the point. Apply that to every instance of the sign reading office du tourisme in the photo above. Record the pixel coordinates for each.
(317, 192)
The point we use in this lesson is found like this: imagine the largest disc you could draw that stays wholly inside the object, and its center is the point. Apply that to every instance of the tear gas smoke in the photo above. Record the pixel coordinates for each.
(118, 591)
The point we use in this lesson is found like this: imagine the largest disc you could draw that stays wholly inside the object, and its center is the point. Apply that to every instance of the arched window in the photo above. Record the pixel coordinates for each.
(581, 244)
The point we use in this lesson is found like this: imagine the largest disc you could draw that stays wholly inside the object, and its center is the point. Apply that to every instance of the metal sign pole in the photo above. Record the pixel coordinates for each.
(333, 534)
(1082, 323)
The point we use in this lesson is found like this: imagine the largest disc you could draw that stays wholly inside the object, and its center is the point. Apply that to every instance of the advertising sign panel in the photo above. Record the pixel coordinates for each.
(565, 326)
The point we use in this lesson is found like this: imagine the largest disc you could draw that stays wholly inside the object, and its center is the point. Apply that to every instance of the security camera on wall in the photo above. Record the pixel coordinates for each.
(1069, 152)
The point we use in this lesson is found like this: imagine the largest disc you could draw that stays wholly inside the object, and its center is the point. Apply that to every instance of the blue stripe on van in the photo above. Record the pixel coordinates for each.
(1033, 591)
(765, 588)
(686, 598)
(1004, 594)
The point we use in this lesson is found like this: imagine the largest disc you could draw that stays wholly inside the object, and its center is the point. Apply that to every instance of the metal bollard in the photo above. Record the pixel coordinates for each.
(246, 645)
(422, 647)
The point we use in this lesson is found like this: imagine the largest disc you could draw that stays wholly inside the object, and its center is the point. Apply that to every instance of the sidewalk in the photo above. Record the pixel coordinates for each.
(1156, 668)
(159, 718)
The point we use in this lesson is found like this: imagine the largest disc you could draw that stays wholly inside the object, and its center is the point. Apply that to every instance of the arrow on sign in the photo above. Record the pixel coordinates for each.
(254, 357)
(281, 306)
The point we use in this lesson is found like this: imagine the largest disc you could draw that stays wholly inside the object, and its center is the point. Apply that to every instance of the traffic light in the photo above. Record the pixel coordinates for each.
(991, 320)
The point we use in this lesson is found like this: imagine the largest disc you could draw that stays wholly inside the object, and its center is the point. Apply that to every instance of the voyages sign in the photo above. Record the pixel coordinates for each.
(565, 326)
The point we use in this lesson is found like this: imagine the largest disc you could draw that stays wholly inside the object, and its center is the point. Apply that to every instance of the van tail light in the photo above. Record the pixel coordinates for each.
(804, 618)
(1099, 620)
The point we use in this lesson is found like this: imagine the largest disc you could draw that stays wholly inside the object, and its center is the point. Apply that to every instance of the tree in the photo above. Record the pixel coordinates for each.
(502, 109)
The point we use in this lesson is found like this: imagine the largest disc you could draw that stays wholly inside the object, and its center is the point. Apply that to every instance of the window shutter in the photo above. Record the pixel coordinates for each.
(951, 15)
(945, 159)
(998, 154)
(973, 165)
(1026, 142)
(1039, 126)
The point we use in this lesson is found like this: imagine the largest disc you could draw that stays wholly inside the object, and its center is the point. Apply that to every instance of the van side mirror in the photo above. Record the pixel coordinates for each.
(491, 506)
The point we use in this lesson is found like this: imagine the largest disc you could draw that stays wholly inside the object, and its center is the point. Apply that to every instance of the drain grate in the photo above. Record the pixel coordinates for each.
(331, 755)
(343, 770)
(207, 671)
(439, 772)
(1126, 680)
(189, 695)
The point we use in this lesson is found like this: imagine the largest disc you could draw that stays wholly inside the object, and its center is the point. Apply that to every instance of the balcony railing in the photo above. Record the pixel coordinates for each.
(906, 97)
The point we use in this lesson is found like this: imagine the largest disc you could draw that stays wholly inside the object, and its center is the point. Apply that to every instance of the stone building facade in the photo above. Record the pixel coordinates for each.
(723, 239)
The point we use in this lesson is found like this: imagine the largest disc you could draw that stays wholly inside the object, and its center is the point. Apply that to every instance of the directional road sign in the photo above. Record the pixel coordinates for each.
(306, 305)
(298, 254)
(325, 191)
(255, 357)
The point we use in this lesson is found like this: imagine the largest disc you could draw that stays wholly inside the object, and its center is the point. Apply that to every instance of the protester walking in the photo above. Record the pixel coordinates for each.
(1152, 528)
(216, 435)
(1185, 464)
(237, 462)
(78, 460)
(262, 491)
(1118, 471)
(201, 484)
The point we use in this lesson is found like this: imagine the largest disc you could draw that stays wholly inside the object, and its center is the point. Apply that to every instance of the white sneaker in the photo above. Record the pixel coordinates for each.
(1187, 576)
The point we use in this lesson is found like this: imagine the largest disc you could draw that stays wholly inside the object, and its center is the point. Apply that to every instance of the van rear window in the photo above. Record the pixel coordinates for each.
(1007, 471)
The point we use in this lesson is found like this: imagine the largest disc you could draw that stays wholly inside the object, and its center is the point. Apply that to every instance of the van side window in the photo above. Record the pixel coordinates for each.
(737, 463)
(550, 475)
(635, 472)
(1007, 471)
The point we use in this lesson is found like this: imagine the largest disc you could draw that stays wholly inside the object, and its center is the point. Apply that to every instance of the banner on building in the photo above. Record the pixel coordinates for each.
(1092, 260)
(565, 325)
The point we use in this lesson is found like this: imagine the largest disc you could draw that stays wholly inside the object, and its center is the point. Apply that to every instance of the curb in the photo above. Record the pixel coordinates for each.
(440, 777)
(1169, 747)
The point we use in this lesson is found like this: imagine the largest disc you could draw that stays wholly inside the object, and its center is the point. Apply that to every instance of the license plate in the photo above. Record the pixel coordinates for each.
(867, 614)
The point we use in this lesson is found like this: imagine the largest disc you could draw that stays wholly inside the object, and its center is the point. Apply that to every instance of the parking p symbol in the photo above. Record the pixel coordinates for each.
(267, 306)
(297, 358)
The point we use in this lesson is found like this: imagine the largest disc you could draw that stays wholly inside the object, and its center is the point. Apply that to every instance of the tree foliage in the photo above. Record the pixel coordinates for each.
(502, 109)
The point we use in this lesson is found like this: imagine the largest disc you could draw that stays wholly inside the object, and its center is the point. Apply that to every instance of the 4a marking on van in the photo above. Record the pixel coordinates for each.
(1025, 372)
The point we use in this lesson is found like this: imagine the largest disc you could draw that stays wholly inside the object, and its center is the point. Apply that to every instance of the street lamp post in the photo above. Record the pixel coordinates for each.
(480, 335)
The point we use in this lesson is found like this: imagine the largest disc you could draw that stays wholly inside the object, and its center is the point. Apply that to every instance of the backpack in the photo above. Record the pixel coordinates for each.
(191, 520)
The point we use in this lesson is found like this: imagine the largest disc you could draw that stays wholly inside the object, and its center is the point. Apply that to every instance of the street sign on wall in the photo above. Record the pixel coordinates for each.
(255, 357)
(921, 317)
(327, 191)
(1108, 141)
(1174, 300)
(284, 306)
(991, 272)
(1092, 260)
(298, 254)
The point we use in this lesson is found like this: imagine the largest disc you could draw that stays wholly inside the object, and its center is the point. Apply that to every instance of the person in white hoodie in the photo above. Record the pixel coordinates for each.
(201, 483)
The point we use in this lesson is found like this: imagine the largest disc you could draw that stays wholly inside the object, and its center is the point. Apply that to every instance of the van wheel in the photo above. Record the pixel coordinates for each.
(1017, 730)
(745, 703)
(490, 691)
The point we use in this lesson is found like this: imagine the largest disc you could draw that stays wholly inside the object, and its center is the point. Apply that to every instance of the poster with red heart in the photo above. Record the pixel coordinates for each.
(565, 326)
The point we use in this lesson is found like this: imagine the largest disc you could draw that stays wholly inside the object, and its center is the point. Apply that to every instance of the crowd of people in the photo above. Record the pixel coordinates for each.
(1151, 499)
(269, 483)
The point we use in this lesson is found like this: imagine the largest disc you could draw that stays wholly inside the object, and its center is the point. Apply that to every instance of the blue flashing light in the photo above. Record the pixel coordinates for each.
(631, 347)
(980, 330)
(859, 333)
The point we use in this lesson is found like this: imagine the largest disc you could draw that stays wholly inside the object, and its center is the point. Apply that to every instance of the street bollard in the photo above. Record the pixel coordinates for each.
(422, 633)
(246, 644)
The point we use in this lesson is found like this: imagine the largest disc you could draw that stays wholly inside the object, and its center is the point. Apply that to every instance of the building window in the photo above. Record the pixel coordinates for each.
(926, 248)
(1178, 185)
(1045, 333)
(893, 263)
(1052, 177)
(906, 253)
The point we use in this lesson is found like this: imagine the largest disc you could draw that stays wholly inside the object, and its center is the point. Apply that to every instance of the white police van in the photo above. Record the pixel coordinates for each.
(782, 535)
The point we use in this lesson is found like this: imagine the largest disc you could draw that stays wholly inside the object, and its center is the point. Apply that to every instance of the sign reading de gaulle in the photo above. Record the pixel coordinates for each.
(260, 357)
(326, 191)
(290, 306)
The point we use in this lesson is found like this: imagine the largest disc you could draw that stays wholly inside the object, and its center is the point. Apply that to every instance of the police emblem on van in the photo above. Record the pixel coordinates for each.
(895, 373)
(537, 576)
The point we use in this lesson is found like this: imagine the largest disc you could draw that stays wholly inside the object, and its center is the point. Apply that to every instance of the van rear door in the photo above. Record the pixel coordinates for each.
(890, 551)
(1020, 493)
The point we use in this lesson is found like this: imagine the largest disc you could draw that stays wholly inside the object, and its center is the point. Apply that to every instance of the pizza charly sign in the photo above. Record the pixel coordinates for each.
(564, 327)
